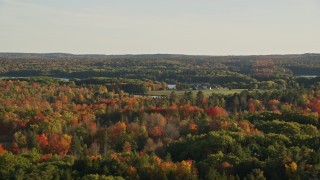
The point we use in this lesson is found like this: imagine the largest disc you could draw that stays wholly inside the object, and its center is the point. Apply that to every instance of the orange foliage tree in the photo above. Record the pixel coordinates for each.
(59, 143)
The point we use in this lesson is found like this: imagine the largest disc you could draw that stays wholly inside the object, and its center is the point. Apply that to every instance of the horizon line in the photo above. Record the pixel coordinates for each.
(178, 54)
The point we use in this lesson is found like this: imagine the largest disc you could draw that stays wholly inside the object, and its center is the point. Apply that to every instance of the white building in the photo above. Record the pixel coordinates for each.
(172, 86)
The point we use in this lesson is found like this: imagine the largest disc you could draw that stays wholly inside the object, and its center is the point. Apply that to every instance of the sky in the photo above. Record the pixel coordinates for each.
(197, 27)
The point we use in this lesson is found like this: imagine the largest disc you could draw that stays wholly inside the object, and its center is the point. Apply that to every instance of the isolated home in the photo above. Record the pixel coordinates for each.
(172, 86)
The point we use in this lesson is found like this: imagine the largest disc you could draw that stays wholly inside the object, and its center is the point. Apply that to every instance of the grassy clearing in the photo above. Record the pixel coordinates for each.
(206, 93)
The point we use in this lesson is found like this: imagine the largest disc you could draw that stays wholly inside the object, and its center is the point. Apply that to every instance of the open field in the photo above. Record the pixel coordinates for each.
(206, 93)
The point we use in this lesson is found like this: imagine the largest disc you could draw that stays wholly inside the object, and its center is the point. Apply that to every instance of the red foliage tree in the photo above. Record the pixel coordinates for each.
(59, 143)
(92, 126)
(156, 131)
(251, 106)
(217, 113)
(42, 140)
(2, 150)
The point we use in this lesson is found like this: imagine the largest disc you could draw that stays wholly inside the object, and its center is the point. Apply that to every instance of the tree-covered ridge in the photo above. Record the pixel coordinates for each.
(243, 72)
(56, 129)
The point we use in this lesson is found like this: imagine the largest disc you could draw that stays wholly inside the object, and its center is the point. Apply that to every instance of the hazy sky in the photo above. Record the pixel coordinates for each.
(211, 27)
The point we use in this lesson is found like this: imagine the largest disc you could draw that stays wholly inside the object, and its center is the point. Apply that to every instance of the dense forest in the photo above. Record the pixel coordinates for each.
(98, 124)
(245, 72)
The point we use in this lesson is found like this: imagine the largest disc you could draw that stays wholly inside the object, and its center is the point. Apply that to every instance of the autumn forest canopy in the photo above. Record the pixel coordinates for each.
(65, 116)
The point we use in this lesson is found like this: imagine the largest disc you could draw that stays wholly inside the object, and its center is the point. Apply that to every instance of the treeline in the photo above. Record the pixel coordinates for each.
(222, 78)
